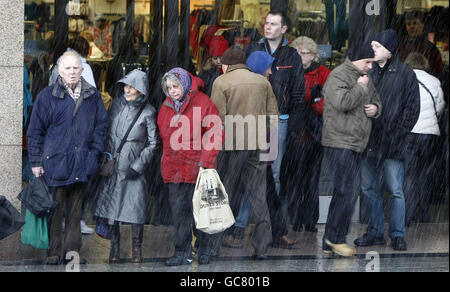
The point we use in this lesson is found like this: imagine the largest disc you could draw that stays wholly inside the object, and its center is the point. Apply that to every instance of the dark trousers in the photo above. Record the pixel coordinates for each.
(298, 202)
(71, 197)
(302, 184)
(345, 169)
(242, 171)
(180, 198)
(419, 175)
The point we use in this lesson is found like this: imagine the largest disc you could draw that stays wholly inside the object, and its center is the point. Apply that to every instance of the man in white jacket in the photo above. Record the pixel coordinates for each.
(420, 167)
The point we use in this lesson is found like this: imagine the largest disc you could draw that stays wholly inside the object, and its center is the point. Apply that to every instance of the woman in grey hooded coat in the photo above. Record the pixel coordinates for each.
(122, 197)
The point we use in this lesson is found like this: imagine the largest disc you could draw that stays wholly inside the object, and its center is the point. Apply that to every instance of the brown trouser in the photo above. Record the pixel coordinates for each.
(240, 172)
(69, 197)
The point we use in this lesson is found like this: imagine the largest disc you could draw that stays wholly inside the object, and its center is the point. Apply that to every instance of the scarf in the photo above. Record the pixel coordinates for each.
(185, 81)
(74, 93)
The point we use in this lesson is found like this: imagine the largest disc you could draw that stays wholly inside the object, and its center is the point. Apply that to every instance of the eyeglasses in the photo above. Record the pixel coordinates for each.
(305, 53)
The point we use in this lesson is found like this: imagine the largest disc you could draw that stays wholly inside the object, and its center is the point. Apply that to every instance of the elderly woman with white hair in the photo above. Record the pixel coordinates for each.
(307, 152)
(191, 132)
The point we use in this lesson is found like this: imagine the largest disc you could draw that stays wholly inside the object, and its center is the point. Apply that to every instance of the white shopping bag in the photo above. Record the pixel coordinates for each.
(212, 212)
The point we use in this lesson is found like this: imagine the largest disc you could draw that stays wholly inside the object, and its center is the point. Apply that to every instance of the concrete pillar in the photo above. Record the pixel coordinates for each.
(11, 113)
(11, 98)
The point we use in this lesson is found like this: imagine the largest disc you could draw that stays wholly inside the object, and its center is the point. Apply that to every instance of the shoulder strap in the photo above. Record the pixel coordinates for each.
(432, 98)
(131, 126)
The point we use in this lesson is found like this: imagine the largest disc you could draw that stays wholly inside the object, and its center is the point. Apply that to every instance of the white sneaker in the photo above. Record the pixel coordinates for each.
(85, 229)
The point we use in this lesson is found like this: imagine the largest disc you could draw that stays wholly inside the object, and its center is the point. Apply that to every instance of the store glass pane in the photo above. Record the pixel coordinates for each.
(115, 37)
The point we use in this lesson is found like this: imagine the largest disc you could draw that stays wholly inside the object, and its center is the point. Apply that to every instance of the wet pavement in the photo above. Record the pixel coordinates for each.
(428, 249)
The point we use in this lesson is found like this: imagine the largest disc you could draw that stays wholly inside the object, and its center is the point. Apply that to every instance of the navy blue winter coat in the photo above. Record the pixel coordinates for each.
(67, 146)
(287, 80)
(398, 88)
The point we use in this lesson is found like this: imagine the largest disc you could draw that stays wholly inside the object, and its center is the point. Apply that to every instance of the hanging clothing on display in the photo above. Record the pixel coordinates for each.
(338, 31)
(314, 27)
(198, 18)
(242, 37)
(361, 27)
(118, 33)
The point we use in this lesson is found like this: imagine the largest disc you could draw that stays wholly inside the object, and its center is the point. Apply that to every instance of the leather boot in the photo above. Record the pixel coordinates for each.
(114, 253)
(137, 234)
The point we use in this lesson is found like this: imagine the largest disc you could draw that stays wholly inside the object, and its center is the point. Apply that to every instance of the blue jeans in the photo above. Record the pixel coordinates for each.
(373, 172)
(276, 165)
(242, 218)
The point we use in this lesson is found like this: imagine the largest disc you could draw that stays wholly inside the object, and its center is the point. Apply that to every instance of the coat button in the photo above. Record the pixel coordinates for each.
(48, 157)
(76, 147)
(76, 178)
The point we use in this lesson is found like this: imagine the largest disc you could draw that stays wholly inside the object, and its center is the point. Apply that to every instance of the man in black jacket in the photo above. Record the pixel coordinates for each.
(398, 88)
(288, 85)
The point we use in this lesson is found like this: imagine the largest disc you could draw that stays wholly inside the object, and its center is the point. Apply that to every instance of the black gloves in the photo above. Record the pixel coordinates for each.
(316, 93)
(132, 174)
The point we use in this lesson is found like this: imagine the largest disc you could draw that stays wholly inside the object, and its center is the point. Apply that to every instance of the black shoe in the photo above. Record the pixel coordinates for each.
(203, 259)
(260, 257)
(369, 240)
(178, 260)
(326, 249)
(398, 243)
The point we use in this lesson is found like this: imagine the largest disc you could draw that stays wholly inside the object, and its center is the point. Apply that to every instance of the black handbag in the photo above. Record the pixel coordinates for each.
(108, 161)
(37, 198)
(10, 219)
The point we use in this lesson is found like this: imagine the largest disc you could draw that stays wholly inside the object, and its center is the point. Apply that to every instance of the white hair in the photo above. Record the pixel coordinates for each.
(67, 54)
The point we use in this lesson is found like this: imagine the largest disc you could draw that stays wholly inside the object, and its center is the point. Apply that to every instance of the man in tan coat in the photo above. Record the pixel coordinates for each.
(246, 101)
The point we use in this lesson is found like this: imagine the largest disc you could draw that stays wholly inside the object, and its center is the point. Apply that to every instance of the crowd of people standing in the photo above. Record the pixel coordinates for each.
(366, 118)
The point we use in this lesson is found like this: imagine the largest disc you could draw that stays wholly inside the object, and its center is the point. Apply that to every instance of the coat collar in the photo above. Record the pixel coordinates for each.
(314, 66)
(236, 67)
(169, 103)
(391, 66)
(87, 90)
(265, 42)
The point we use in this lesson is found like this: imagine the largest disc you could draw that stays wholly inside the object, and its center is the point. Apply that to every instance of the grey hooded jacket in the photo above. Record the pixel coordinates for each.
(345, 123)
(119, 198)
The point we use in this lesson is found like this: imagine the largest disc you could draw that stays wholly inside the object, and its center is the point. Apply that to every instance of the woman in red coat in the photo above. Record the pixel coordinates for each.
(191, 133)
(302, 179)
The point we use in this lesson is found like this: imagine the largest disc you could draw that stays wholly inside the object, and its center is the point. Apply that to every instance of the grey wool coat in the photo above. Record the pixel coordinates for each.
(120, 198)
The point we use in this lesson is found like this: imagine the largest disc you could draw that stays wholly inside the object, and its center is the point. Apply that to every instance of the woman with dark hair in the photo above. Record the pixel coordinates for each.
(80, 46)
(421, 142)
